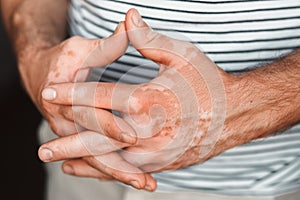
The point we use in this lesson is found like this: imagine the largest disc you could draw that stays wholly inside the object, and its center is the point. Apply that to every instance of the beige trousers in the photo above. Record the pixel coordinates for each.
(64, 187)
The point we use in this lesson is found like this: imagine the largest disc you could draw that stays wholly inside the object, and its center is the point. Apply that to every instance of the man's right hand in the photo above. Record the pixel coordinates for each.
(36, 29)
(70, 61)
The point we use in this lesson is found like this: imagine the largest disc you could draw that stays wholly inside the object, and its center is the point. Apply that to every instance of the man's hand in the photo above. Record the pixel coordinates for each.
(70, 62)
(178, 116)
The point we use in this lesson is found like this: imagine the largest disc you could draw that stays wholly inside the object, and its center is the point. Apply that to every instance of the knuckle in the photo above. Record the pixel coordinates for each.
(151, 37)
(101, 92)
(111, 128)
(65, 112)
(98, 43)
(147, 94)
(72, 41)
(108, 129)
(136, 104)
(81, 116)
(95, 162)
(46, 106)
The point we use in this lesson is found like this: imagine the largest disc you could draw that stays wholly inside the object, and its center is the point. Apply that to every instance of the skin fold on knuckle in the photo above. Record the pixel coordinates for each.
(112, 129)
(151, 38)
(66, 112)
(46, 106)
(82, 116)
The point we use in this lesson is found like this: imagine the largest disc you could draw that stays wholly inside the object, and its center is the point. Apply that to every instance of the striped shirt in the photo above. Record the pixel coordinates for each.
(237, 35)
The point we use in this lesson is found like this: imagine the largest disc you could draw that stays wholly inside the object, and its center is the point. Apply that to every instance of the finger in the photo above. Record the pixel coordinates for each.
(102, 121)
(167, 51)
(114, 165)
(151, 183)
(81, 168)
(57, 122)
(78, 54)
(137, 157)
(106, 51)
(62, 127)
(112, 96)
(151, 44)
(147, 160)
(86, 143)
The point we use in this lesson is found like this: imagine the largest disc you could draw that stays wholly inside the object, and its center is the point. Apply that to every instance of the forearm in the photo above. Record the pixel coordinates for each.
(35, 23)
(265, 100)
(33, 26)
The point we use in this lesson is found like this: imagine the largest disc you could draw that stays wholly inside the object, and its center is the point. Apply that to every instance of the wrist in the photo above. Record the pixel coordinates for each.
(26, 38)
(32, 70)
(257, 105)
(246, 111)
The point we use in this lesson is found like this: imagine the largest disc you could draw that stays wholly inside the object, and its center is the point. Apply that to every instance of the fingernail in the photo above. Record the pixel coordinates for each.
(46, 155)
(149, 188)
(49, 94)
(137, 19)
(135, 184)
(68, 169)
(127, 138)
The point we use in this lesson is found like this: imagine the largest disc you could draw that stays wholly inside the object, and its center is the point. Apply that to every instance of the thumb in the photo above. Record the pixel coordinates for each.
(109, 49)
(151, 44)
